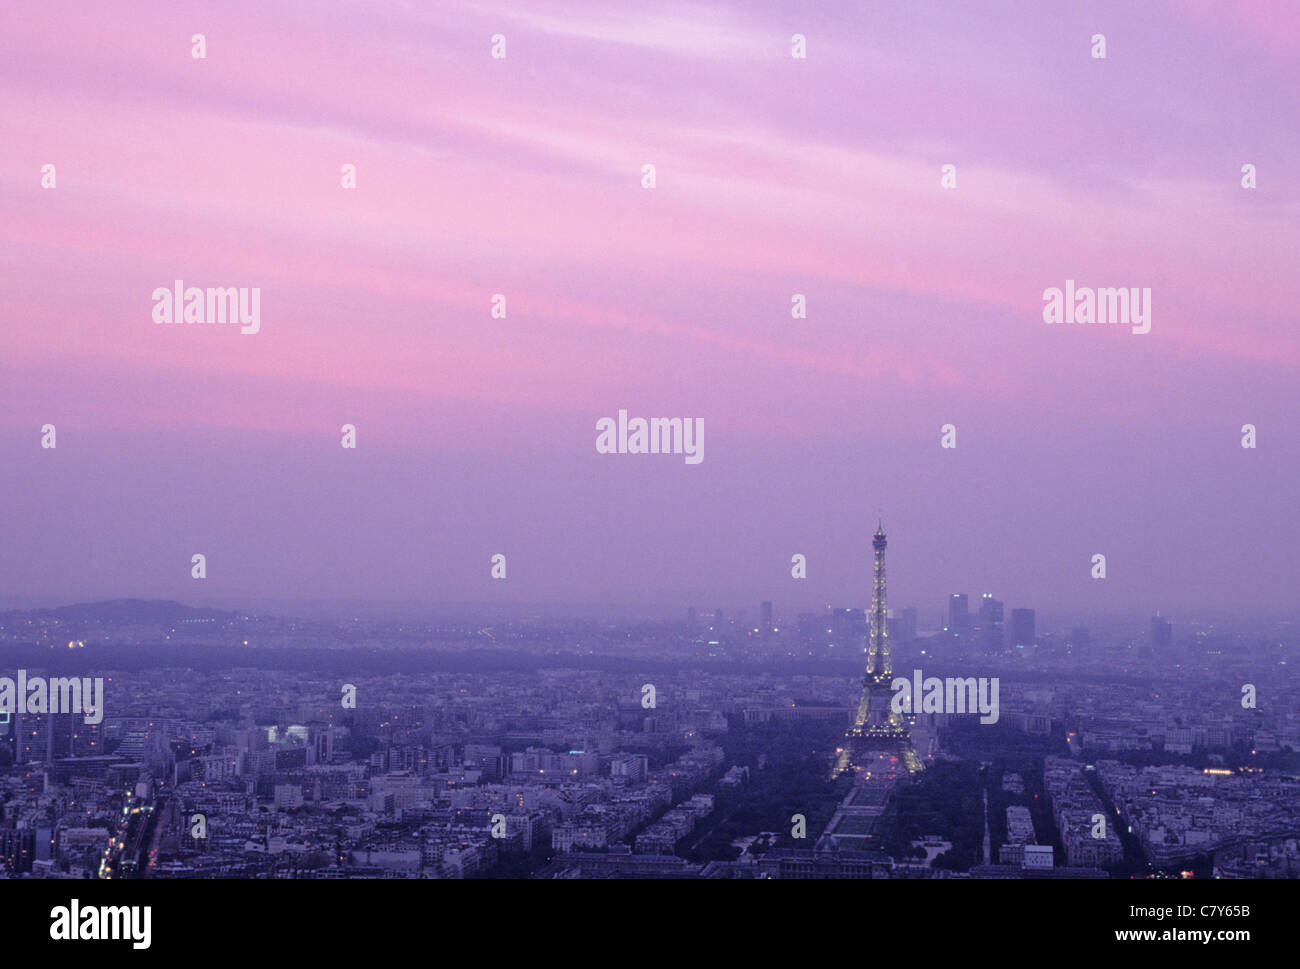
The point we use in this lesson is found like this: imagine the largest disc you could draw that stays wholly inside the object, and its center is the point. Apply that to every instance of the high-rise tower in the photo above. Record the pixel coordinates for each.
(879, 736)
(878, 650)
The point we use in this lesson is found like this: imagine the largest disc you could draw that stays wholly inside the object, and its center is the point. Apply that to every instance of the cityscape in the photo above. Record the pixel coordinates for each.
(713, 746)
(458, 456)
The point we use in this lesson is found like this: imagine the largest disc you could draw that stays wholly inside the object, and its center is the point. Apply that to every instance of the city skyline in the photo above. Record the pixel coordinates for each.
(219, 748)
(931, 618)
(462, 442)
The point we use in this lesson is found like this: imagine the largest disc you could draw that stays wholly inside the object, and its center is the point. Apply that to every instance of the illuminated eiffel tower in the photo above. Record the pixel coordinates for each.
(879, 738)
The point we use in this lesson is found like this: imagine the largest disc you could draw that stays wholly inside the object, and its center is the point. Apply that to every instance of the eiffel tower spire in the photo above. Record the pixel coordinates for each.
(878, 662)
(877, 729)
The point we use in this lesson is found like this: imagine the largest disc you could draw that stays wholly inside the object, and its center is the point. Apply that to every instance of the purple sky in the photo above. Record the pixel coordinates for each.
(775, 176)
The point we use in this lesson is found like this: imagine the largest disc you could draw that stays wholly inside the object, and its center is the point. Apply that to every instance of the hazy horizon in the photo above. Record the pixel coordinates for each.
(929, 620)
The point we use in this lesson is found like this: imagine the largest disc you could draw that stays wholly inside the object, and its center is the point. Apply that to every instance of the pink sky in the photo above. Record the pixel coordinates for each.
(775, 176)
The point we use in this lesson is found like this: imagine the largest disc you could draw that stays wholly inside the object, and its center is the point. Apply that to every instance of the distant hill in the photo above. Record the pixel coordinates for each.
(144, 611)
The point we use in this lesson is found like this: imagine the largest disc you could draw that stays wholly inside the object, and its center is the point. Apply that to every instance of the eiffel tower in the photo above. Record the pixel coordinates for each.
(879, 738)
